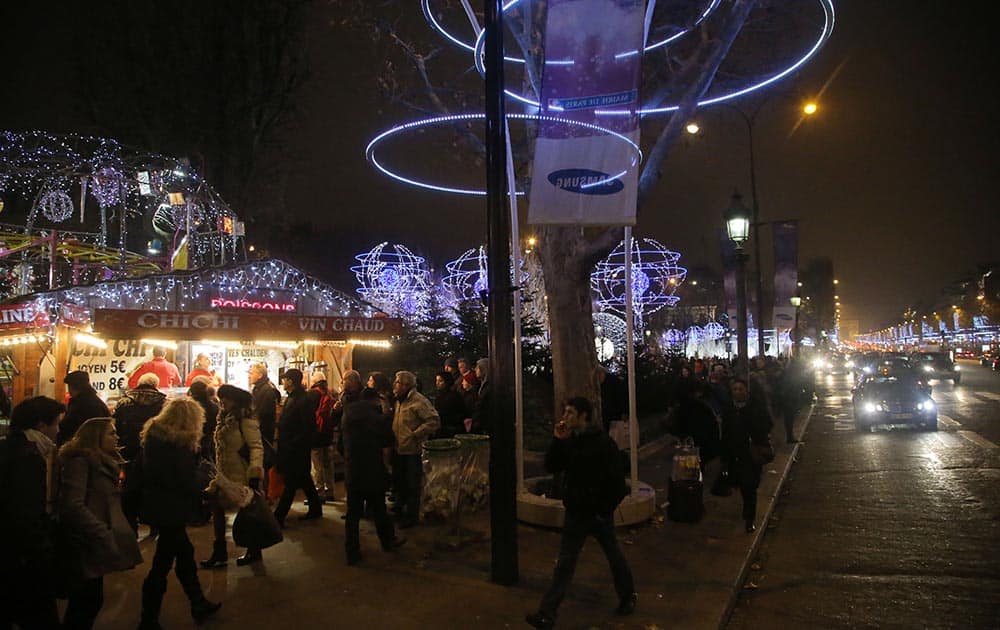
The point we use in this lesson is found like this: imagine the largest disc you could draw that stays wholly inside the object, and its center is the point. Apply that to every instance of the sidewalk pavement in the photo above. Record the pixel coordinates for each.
(687, 575)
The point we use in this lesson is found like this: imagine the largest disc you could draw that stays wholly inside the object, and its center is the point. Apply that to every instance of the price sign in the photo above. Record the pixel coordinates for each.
(109, 367)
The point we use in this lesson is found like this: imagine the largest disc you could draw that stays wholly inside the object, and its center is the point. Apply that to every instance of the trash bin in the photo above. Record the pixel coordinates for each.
(442, 464)
(686, 489)
(475, 476)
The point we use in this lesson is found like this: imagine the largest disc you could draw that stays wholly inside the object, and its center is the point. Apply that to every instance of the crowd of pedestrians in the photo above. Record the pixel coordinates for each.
(78, 480)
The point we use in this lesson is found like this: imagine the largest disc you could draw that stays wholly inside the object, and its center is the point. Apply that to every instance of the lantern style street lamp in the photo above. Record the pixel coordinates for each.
(796, 301)
(737, 219)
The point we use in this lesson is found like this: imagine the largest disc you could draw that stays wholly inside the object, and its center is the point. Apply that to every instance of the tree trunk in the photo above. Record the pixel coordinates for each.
(566, 266)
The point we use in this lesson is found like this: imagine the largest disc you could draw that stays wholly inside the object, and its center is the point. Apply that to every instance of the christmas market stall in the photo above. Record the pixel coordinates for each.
(263, 311)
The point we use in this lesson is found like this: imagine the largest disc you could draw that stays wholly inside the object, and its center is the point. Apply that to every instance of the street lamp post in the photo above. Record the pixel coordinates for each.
(737, 219)
(796, 301)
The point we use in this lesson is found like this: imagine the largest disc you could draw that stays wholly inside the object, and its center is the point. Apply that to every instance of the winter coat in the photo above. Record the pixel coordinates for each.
(25, 527)
(364, 435)
(482, 414)
(133, 410)
(297, 433)
(451, 410)
(325, 423)
(695, 419)
(90, 511)
(171, 482)
(414, 422)
(164, 370)
(230, 435)
(208, 431)
(595, 481)
(265, 407)
(82, 407)
(743, 426)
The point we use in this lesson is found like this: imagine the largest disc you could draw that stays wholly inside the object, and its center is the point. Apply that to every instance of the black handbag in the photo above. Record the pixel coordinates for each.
(255, 526)
(762, 453)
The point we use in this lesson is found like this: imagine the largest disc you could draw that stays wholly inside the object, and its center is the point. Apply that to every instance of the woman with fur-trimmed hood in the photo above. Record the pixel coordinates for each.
(90, 510)
(239, 457)
(171, 491)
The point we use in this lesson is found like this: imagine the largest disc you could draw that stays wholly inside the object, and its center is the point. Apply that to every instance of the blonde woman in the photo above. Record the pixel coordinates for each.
(90, 509)
(171, 493)
(239, 456)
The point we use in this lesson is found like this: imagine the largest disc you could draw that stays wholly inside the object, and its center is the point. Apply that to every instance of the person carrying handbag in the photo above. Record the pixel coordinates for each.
(239, 457)
(90, 513)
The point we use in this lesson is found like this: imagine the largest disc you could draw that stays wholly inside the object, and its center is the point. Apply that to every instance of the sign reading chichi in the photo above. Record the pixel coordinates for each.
(131, 324)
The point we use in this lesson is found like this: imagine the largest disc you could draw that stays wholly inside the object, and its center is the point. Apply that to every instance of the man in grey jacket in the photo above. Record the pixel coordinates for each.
(415, 420)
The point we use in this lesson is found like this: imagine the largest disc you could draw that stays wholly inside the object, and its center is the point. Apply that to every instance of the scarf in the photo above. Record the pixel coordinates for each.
(47, 449)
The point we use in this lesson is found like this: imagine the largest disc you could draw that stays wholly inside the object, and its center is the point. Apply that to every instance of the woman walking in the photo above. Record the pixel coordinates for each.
(171, 493)
(239, 456)
(90, 510)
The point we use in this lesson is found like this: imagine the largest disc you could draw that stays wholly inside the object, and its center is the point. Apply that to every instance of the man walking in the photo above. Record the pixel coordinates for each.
(595, 485)
(415, 420)
(745, 424)
(296, 434)
(366, 438)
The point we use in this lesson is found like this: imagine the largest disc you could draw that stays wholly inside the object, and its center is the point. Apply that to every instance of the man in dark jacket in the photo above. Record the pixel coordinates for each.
(366, 437)
(296, 434)
(265, 400)
(595, 485)
(84, 404)
(26, 545)
(131, 413)
(745, 423)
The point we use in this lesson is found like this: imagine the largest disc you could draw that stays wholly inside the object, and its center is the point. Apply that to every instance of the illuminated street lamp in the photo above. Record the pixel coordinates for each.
(810, 108)
(737, 219)
(796, 301)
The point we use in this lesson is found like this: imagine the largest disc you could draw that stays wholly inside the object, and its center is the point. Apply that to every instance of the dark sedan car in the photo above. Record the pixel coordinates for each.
(896, 399)
(937, 365)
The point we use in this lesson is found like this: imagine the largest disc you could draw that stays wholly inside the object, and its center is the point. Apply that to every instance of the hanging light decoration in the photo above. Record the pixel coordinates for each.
(655, 278)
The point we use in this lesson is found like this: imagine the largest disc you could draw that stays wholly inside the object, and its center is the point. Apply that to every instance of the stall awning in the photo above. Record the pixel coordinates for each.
(239, 326)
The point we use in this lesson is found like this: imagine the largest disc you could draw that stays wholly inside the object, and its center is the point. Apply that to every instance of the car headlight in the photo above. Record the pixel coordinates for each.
(817, 364)
(928, 368)
(848, 363)
(867, 370)
(927, 405)
(955, 367)
(870, 407)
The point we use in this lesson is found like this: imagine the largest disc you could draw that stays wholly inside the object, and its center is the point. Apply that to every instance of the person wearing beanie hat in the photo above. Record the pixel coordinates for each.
(84, 404)
(296, 435)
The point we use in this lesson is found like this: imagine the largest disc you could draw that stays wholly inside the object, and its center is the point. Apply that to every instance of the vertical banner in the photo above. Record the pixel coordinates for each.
(728, 249)
(586, 160)
(786, 274)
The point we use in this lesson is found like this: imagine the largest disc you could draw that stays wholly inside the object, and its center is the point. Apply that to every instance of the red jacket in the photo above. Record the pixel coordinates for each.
(167, 371)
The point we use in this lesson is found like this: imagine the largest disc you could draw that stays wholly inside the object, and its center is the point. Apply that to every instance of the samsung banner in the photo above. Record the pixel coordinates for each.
(586, 154)
(786, 275)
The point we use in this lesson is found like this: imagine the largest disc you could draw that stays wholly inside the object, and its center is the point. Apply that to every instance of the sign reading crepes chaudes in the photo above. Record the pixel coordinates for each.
(179, 325)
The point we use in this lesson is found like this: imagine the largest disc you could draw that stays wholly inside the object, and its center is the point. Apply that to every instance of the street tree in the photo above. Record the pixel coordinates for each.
(417, 73)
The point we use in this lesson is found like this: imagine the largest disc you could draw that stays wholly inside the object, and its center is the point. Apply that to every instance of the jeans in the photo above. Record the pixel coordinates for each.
(172, 544)
(574, 533)
(292, 485)
(407, 472)
(322, 470)
(85, 600)
(356, 500)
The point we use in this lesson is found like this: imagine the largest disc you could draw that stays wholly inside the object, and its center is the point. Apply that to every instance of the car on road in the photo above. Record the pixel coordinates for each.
(937, 365)
(866, 364)
(893, 398)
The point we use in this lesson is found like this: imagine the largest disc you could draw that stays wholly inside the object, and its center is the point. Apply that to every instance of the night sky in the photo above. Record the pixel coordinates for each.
(895, 179)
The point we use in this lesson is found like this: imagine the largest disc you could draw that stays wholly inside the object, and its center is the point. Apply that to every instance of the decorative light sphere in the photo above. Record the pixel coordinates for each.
(610, 336)
(713, 331)
(105, 186)
(466, 277)
(56, 205)
(655, 278)
(394, 279)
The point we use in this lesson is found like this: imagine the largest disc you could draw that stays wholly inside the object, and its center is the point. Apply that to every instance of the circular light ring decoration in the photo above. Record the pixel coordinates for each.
(824, 35)
(714, 331)
(476, 48)
(417, 124)
(56, 205)
(394, 279)
(655, 274)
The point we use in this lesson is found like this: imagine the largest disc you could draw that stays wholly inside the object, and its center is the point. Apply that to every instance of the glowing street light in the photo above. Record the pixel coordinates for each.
(810, 108)
(692, 128)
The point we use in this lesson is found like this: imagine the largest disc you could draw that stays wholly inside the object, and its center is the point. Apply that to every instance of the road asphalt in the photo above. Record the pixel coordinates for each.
(688, 575)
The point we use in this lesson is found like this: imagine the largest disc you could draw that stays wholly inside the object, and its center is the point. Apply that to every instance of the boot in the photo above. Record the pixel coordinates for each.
(203, 609)
(219, 556)
(152, 600)
(251, 556)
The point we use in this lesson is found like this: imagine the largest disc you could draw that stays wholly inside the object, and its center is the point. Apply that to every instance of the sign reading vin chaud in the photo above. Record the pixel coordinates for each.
(586, 161)
(132, 324)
